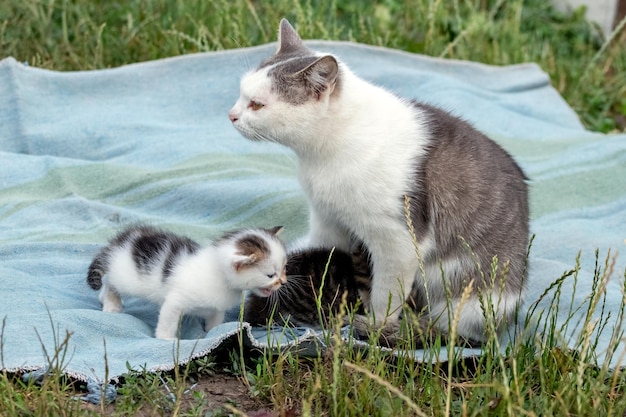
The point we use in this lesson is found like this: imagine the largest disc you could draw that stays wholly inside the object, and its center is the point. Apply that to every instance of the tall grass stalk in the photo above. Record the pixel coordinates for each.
(535, 373)
(467, 292)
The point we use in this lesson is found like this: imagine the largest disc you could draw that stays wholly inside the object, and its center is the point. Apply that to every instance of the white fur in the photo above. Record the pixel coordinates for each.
(357, 157)
(204, 284)
(496, 308)
(359, 149)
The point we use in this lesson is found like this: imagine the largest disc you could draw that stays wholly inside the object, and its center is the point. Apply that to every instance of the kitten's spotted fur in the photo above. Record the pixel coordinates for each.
(183, 277)
(310, 273)
(362, 153)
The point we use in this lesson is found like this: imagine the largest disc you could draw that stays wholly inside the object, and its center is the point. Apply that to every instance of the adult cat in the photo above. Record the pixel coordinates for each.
(370, 161)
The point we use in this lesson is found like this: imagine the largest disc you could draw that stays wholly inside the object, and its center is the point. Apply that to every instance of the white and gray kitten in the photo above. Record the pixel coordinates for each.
(185, 278)
(363, 152)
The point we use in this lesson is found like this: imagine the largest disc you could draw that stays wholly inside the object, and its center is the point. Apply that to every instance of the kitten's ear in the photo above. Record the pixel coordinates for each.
(288, 38)
(242, 261)
(321, 74)
(276, 230)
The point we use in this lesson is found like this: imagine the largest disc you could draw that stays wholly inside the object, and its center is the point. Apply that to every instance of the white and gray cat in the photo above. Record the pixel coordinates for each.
(363, 152)
(185, 278)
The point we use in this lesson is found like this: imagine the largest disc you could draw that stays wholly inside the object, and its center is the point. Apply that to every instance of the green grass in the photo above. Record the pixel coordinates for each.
(587, 70)
(534, 377)
(530, 376)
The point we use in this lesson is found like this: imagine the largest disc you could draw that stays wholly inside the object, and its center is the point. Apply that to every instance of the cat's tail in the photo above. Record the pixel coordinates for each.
(97, 269)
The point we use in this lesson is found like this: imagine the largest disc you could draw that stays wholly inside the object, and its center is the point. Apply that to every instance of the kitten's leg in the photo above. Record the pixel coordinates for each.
(213, 319)
(169, 319)
(110, 299)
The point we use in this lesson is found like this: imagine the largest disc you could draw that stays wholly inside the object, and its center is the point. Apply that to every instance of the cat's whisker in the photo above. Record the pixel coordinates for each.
(297, 278)
(243, 56)
(293, 159)
(299, 285)
(264, 138)
(271, 300)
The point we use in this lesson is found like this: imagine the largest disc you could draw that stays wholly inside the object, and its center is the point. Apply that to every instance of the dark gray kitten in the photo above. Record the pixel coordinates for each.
(185, 278)
(436, 203)
(310, 273)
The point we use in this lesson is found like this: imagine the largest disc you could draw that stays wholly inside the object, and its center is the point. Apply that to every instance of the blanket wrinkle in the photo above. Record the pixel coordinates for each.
(84, 154)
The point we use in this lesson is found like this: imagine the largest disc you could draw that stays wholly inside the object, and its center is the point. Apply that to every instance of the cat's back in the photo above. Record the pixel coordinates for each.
(453, 139)
(141, 259)
(461, 164)
(471, 188)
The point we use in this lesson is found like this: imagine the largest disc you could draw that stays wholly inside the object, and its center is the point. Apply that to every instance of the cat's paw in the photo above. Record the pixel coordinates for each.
(110, 300)
(361, 327)
(212, 320)
(413, 332)
(111, 308)
(165, 335)
(385, 334)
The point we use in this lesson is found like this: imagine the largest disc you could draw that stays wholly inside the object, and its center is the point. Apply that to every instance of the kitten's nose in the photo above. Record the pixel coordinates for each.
(232, 116)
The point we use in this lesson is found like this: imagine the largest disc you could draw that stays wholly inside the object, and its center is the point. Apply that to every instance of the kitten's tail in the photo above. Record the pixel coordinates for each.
(96, 271)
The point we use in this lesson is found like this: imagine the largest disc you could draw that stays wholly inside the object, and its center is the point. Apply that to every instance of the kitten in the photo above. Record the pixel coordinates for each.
(363, 154)
(310, 273)
(185, 278)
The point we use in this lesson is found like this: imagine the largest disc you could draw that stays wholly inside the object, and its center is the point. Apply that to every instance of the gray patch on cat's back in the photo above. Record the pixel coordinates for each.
(146, 249)
(474, 190)
(178, 246)
(150, 245)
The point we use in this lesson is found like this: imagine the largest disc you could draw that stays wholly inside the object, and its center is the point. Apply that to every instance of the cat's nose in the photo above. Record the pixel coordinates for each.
(232, 116)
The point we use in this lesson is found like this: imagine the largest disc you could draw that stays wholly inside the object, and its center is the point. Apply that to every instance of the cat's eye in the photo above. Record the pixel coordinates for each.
(255, 105)
(272, 275)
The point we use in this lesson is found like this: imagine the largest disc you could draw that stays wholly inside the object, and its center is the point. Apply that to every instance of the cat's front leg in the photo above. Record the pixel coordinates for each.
(324, 232)
(390, 287)
(394, 269)
(169, 320)
(213, 319)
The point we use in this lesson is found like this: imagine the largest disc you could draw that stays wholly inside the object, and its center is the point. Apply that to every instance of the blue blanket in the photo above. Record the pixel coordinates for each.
(83, 154)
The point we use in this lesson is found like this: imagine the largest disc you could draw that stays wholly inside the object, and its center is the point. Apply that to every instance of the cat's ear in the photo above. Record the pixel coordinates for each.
(276, 230)
(322, 74)
(242, 261)
(288, 38)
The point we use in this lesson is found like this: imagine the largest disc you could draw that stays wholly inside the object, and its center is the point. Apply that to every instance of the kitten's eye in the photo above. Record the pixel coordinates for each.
(272, 275)
(255, 105)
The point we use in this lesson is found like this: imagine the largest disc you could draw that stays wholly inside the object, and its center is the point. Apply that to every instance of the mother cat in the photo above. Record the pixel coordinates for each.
(363, 153)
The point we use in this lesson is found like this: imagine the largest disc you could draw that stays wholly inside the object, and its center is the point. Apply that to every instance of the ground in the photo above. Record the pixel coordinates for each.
(216, 393)
(226, 390)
